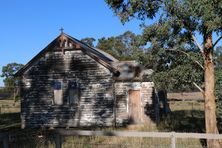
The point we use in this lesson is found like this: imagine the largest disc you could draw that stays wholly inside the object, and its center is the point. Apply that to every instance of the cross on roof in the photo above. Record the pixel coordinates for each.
(61, 29)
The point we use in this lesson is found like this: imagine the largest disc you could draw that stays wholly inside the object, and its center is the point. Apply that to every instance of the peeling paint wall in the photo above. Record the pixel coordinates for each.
(101, 100)
(95, 104)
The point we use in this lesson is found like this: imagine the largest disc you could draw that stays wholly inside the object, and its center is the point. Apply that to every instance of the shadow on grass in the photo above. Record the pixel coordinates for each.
(183, 121)
(178, 121)
(189, 121)
(9, 121)
(10, 125)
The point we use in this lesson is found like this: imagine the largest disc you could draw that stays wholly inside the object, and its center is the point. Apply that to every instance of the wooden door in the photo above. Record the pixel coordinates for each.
(135, 106)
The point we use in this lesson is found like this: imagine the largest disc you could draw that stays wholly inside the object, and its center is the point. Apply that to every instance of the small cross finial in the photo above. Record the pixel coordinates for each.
(61, 29)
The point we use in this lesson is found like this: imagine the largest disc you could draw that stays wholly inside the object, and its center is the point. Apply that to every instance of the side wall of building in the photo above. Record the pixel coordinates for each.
(93, 82)
(147, 101)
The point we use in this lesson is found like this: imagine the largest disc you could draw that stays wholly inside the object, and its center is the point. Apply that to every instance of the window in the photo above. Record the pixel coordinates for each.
(58, 95)
(73, 93)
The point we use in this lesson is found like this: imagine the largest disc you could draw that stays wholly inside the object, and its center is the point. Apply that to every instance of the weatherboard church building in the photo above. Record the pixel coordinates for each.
(70, 84)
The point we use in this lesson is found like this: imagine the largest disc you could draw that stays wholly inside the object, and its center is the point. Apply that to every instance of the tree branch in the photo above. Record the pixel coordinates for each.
(217, 41)
(197, 62)
(198, 87)
(196, 43)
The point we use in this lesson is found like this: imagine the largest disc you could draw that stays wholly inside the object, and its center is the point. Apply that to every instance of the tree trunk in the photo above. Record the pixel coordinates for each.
(210, 105)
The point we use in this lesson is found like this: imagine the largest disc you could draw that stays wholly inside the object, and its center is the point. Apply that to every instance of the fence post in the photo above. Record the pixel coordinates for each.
(5, 142)
(58, 141)
(173, 140)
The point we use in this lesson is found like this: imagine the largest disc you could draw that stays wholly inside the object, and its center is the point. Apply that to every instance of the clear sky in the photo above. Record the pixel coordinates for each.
(27, 26)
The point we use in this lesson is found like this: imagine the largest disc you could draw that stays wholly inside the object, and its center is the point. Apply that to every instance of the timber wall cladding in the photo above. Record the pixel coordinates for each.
(122, 100)
(95, 104)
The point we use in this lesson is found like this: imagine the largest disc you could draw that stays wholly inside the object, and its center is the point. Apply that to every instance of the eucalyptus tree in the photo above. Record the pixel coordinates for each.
(123, 47)
(178, 22)
(8, 72)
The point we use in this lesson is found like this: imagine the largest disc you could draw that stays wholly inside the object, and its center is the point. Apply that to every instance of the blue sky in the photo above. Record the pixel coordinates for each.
(27, 26)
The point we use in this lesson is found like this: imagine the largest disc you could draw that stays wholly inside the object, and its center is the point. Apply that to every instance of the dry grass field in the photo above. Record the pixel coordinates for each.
(191, 96)
(9, 106)
(9, 114)
(186, 115)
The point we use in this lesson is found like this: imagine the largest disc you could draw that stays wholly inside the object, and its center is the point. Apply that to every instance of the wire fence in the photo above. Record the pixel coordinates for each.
(66, 138)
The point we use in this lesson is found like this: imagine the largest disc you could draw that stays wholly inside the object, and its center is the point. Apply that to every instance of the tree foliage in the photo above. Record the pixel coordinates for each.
(218, 90)
(123, 47)
(8, 72)
(218, 73)
(218, 57)
(177, 72)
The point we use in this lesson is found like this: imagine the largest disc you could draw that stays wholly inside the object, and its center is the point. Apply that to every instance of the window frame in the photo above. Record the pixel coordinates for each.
(58, 98)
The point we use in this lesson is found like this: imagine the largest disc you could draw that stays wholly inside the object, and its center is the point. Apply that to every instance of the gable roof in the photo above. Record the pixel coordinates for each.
(98, 55)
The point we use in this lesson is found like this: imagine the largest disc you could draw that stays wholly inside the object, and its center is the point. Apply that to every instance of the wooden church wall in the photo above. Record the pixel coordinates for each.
(49, 80)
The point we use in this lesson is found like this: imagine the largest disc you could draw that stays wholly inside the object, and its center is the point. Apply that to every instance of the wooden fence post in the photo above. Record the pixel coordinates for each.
(58, 141)
(5, 142)
(173, 140)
